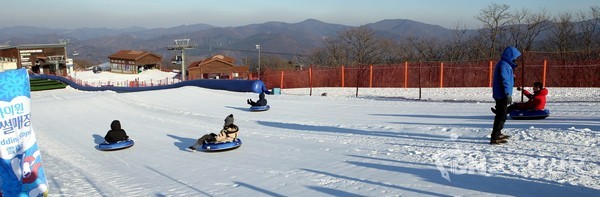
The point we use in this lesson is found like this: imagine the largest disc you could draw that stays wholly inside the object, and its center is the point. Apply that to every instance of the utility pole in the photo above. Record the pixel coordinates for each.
(182, 45)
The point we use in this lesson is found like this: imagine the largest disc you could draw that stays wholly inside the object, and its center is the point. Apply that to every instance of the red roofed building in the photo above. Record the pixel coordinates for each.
(217, 67)
(131, 61)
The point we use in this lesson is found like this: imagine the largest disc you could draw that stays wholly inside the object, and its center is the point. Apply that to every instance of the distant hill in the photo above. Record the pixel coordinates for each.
(96, 44)
(402, 28)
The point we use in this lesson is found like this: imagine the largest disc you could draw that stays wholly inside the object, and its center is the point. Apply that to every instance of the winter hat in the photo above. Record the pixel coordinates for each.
(261, 96)
(229, 120)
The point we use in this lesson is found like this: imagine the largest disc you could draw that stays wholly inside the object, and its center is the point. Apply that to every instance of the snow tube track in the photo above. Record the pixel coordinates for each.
(256, 86)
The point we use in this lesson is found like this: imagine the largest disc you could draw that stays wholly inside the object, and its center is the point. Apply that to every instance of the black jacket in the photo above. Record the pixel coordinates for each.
(261, 100)
(116, 133)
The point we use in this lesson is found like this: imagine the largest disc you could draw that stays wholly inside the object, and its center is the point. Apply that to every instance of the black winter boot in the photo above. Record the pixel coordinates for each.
(192, 148)
(502, 136)
(498, 141)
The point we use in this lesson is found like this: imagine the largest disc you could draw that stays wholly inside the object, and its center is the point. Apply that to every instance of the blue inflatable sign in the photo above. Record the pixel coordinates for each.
(21, 170)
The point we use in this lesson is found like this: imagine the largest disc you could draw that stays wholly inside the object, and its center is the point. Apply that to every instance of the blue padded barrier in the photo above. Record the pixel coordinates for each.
(256, 86)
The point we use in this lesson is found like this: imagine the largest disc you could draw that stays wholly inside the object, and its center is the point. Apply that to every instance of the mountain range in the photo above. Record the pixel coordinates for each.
(288, 39)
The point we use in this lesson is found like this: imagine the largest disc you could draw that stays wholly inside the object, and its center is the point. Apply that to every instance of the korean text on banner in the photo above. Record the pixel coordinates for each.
(21, 171)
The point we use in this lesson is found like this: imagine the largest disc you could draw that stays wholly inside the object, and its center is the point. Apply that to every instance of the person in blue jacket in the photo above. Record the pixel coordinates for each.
(502, 88)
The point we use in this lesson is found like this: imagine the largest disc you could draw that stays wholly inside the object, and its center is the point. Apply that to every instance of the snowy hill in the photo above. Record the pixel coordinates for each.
(335, 145)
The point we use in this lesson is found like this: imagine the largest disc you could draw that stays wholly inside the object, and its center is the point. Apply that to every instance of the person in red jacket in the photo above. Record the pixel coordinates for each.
(537, 100)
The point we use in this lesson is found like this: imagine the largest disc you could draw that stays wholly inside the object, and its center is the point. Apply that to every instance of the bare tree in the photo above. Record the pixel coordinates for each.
(427, 49)
(516, 29)
(361, 45)
(494, 18)
(536, 24)
(337, 52)
(362, 48)
(595, 10)
(476, 48)
(587, 25)
(563, 35)
(455, 45)
(390, 52)
(525, 27)
(269, 61)
(319, 58)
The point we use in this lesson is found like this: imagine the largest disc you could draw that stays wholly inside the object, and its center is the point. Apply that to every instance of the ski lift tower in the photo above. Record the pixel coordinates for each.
(182, 45)
(67, 61)
(56, 59)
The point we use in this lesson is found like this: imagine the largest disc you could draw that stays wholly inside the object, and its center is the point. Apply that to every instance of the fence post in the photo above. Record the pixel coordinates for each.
(491, 72)
(370, 76)
(342, 76)
(281, 82)
(544, 74)
(441, 74)
(310, 79)
(405, 74)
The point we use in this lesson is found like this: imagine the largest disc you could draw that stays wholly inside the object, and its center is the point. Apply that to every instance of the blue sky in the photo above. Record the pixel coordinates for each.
(169, 13)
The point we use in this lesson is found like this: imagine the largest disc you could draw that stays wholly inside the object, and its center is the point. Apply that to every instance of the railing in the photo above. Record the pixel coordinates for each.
(125, 83)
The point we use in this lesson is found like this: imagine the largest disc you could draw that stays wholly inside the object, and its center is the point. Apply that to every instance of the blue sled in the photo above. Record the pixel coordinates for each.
(221, 146)
(105, 146)
(529, 114)
(260, 108)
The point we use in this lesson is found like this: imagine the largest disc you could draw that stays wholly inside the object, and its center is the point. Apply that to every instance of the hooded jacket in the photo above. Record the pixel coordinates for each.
(537, 100)
(504, 79)
(261, 100)
(116, 133)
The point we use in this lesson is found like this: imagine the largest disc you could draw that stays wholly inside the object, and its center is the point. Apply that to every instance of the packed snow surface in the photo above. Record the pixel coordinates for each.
(385, 142)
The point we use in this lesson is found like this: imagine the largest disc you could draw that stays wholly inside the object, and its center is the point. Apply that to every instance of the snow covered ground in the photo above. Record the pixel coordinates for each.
(383, 143)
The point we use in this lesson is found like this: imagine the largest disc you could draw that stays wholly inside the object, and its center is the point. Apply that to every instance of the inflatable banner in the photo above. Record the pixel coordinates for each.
(21, 171)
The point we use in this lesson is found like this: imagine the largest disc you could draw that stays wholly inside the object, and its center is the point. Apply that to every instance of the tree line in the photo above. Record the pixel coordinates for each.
(567, 36)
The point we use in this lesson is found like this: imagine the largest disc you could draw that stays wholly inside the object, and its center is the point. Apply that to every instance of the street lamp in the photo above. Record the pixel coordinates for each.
(258, 48)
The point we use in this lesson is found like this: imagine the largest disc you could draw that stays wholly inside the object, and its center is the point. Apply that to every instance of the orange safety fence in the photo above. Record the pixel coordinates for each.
(436, 75)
